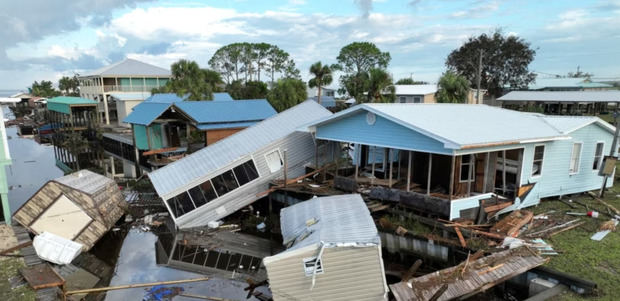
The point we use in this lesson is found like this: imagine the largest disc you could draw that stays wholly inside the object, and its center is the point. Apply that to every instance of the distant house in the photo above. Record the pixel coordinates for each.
(125, 102)
(333, 252)
(326, 101)
(230, 174)
(82, 207)
(450, 159)
(127, 77)
(415, 93)
(562, 102)
(5, 160)
(567, 84)
(312, 92)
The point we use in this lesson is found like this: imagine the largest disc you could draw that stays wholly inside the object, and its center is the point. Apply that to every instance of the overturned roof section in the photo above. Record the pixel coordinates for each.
(222, 96)
(415, 89)
(180, 174)
(562, 96)
(334, 220)
(130, 67)
(85, 181)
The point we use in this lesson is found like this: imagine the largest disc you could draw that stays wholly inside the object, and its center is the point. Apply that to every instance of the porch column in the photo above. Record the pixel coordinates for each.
(358, 155)
(113, 168)
(391, 171)
(486, 172)
(398, 171)
(374, 149)
(409, 173)
(451, 185)
(470, 176)
(504, 171)
(430, 168)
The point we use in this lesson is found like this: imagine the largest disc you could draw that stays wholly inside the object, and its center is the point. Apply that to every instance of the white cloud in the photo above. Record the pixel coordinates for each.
(570, 19)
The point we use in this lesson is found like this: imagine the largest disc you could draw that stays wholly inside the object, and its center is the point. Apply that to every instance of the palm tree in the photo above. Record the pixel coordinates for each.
(322, 76)
(453, 88)
(380, 86)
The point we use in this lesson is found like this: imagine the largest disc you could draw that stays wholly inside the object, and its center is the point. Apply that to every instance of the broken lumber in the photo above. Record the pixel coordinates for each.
(552, 228)
(491, 269)
(565, 229)
(497, 207)
(205, 297)
(603, 202)
(119, 287)
(15, 248)
(412, 270)
(439, 292)
(461, 238)
(568, 204)
(511, 224)
(291, 181)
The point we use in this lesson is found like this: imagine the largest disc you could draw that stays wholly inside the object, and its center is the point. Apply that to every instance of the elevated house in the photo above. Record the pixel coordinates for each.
(82, 207)
(233, 172)
(333, 252)
(166, 130)
(67, 115)
(122, 78)
(451, 159)
(568, 84)
(562, 102)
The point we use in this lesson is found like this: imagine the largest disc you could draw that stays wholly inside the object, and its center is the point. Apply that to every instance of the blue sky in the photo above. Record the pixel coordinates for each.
(59, 37)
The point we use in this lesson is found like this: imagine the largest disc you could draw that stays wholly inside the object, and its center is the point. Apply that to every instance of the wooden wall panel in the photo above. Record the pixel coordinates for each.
(213, 136)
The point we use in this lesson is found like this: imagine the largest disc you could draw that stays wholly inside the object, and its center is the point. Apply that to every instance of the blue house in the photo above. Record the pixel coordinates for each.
(450, 159)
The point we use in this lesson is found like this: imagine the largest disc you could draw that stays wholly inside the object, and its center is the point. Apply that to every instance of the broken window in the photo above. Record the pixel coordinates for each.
(539, 152)
(466, 175)
(598, 155)
(575, 158)
(310, 264)
(181, 204)
(246, 172)
(274, 160)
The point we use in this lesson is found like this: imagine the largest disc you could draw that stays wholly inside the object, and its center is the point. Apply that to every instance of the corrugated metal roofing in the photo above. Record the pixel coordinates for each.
(129, 67)
(225, 125)
(562, 96)
(567, 124)
(222, 96)
(459, 125)
(415, 89)
(131, 96)
(164, 98)
(209, 159)
(145, 112)
(340, 219)
(85, 181)
(124, 138)
(564, 82)
(227, 111)
(70, 100)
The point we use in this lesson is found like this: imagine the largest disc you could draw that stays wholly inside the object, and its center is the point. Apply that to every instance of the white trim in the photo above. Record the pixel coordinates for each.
(542, 162)
(277, 149)
(570, 173)
(386, 146)
(472, 165)
(600, 160)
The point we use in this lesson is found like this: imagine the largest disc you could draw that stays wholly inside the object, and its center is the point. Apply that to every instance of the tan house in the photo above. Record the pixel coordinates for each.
(81, 207)
(415, 93)
(333, 252)
(126, 77)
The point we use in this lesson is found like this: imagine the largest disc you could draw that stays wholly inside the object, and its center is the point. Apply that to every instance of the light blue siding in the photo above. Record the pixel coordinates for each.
(382, 133)
(555, 179)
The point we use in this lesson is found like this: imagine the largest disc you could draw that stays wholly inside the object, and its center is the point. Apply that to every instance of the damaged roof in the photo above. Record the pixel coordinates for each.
(338, 219)
(85, 181)
(179, 175)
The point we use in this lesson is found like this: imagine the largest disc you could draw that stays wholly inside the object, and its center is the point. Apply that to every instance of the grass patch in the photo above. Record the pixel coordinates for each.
(597, 261)
(9, 267)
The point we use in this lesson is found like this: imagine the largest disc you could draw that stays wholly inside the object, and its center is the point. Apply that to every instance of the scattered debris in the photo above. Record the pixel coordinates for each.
(161, 293)
(606, 228)
(512, 224)
(42, 276)
(119, 287)
(56, 249)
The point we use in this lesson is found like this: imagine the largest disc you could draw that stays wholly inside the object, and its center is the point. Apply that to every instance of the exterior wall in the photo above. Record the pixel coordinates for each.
(5, 160)
(429, 98)
(139, 133)
(300, 152)
(349, 273)
(383, 132)
(213, 136)
(123, 109)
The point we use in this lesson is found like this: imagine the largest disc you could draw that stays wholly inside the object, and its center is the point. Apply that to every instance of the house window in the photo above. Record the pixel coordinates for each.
(598, 155)
(539, 153)
(466, 165)
(417, 99)
(181, 204)
(245, 172)
(274, 161)
(402, 99)
(310, 264)
(574, 158)
(224, 183)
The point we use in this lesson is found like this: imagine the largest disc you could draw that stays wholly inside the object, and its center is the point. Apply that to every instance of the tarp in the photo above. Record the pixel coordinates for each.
(56, 249)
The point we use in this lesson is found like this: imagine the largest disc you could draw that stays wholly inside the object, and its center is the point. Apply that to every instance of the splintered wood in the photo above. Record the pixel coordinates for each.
(511, 224)
(472, 276)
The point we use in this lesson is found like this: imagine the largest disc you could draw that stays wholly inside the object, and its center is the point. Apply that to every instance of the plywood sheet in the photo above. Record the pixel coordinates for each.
(63, 218)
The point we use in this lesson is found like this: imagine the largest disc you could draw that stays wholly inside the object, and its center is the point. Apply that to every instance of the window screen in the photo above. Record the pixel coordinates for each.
(224, 183)
(181, 204)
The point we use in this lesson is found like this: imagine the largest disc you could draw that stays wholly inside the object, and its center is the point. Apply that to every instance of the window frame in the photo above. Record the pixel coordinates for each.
(578, 162)
(251, 159)
(402, 99)
(281, 160)
(309, 271)
(540, 171)
(601, 156)
(472, 164)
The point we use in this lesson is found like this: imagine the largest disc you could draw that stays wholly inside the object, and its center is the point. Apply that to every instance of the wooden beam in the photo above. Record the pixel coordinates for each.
(409, 173)
(504, 172)
(284, 171)
(471, 175)
(451, 185)
(412, 270)
(119, 287)
(358, 158)
(439, 292)
(430, 168)
(461, 238)
(374, 149)
(486, 172)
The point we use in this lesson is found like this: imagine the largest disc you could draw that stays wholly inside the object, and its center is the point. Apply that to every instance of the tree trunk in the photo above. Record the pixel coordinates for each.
(319, 95)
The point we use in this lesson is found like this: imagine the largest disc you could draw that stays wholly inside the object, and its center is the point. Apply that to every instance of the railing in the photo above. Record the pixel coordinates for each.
(127, 88)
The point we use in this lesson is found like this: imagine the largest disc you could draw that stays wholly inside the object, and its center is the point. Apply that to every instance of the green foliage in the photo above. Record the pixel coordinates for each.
(322, 77)
(76, 144)
(249, 90)
(43, 89)
(410, 81)
(9, 268)
(453, 88)
(505, 61)
(286, 93)
(188, 78)
(357, 60)
(380, 87)
(69, 86)
(213, 79)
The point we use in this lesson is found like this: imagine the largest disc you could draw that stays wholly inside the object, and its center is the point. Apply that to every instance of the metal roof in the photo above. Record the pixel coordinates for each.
(326, 101)
(131, 96)
(85, 181)
(129, 67)
(146, 112)
(211, 158)
(165, 98)
(568, 124)
(70, 100)
(225, 125)
(562, 96)
(564, 82)
(415, 89)
(338, 219)
(460, 125)
(222, 96)
(226, 111)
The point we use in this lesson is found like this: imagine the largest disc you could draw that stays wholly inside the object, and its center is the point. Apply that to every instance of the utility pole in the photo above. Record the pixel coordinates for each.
(478, 78)
(614, 145)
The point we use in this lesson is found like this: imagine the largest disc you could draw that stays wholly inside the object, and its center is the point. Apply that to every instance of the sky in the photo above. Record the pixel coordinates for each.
(46, 39)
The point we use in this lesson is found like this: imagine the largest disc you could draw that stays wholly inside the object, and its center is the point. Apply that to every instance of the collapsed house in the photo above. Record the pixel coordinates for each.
(334, 252)
(81, 207)
(452, 159)
(230, 174)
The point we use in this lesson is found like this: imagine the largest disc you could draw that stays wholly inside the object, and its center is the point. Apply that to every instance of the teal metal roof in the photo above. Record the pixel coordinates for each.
(70, 100)
(227, 111)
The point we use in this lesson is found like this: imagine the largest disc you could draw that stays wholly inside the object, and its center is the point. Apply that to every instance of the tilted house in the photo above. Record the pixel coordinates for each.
(227, 175)
(81, 207)
(450, 159)
(334, 252)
